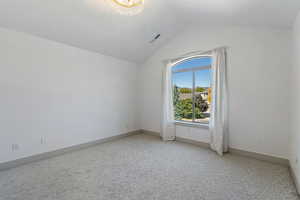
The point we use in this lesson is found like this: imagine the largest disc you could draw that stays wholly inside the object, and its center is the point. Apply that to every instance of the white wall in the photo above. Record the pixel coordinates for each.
(60, 94)
(66, 96)
(295, 102)
(258, 70)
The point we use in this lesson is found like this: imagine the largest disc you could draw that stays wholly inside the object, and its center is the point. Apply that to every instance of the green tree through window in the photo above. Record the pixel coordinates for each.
(191, 90)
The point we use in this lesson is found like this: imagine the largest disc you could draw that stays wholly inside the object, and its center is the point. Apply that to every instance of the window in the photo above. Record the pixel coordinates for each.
(192, 90)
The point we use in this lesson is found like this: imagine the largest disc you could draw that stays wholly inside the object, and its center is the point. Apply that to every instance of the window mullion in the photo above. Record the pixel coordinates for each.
(193, 96)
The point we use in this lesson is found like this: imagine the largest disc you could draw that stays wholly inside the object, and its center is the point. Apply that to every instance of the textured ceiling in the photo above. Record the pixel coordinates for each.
(94, 25)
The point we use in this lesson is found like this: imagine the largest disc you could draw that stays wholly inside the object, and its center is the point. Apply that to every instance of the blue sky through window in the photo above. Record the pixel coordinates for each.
(185, 79)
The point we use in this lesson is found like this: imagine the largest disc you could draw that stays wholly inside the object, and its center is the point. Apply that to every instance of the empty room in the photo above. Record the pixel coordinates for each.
(150, 100)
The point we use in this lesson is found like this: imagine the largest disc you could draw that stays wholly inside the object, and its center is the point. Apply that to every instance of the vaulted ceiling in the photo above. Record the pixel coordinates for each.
(94, 25)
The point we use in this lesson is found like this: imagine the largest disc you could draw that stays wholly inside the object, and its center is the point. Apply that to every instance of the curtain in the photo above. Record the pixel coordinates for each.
(168, 129)
(218, 125)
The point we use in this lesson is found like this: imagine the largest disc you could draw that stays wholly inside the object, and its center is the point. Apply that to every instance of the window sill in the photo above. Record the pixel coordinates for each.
(191, 124)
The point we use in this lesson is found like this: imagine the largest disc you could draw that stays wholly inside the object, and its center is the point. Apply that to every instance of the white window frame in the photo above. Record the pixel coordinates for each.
(194, 70)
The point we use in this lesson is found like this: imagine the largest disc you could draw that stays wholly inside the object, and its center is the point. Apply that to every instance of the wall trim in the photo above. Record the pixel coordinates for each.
(260, 156)
(234, 151)
(50, 154)
(198, 143)
(143, 131)
(294, 177)
(46, 155)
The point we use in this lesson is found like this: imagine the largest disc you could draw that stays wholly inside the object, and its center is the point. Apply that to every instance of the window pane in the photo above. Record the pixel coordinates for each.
(195, 62)
(202, 95)
(182, 96)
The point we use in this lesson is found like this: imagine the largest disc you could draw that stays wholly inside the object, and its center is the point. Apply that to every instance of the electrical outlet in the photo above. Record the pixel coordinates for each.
(14, 147)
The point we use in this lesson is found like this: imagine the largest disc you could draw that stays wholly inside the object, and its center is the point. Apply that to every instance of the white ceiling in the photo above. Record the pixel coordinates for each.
(94, 25)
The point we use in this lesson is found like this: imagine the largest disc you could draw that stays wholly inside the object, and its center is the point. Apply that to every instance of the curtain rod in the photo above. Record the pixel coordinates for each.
(192, 54)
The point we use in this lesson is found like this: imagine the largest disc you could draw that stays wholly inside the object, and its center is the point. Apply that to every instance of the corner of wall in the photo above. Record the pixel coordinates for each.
(294, 154)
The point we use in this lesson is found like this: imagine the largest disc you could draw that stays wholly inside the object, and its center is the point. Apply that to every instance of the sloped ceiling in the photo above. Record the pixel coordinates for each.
(94, 25)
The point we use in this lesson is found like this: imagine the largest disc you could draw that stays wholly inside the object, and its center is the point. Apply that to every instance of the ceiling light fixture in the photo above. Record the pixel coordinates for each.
(128, 7)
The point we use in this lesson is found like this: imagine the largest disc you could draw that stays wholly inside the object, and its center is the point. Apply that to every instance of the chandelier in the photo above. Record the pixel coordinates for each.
(128, 7)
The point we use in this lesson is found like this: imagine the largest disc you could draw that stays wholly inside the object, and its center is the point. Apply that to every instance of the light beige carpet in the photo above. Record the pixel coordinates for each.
(142, 168)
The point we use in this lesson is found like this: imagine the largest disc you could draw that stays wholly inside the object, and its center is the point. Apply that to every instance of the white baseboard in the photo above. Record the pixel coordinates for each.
(18, 162)
(198, 143)
(150, 132)
(42, 156)
(258, 156)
